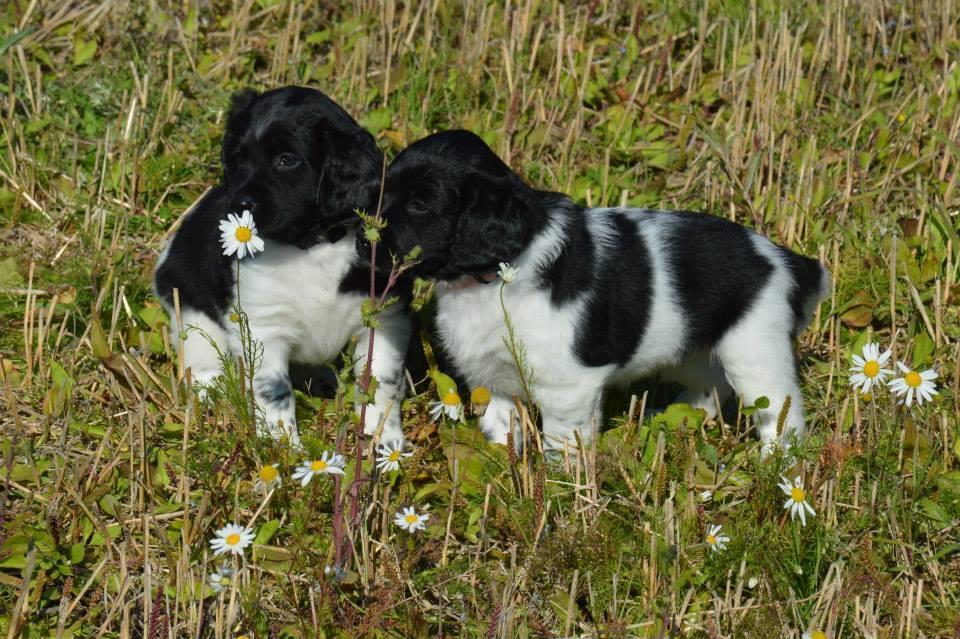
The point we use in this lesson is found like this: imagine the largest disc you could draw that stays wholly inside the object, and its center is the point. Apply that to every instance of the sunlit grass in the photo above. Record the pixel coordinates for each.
(831, 127)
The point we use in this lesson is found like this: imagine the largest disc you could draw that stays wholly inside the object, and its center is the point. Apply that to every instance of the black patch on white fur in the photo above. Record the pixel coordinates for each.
(275, 390)
(572, 272)
(195, 264)
(618, 307)
(718, 274)
(807, 276)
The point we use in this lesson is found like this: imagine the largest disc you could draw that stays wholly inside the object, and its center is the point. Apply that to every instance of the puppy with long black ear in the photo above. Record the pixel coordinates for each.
(599, 296)
(300, 165)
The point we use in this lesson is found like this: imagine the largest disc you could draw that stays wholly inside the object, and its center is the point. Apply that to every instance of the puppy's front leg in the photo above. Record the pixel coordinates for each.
(389, 347)
(569, 410)
(498, 419)
(274, 394)
(202, 337)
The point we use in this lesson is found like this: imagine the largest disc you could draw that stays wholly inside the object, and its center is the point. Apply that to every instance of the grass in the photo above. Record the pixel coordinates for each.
(831, 127)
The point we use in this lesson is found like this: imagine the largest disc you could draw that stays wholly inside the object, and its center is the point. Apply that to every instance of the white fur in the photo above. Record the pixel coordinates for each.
(296, 312)
(755, 356)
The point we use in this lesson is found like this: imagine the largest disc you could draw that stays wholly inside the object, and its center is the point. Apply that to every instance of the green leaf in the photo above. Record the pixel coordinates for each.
(83, 51)
(932, 510)
(922, 350)
(267, 531)
(377, 120)
(16, 37)
(444, 382)
(77, 552)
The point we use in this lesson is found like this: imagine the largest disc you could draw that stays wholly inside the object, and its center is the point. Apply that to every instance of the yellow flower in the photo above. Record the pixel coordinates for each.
(231, 538)
(479, 400)
(328, 464)
(797, 504)
(451, 406)
(390, 455)
(268, 478)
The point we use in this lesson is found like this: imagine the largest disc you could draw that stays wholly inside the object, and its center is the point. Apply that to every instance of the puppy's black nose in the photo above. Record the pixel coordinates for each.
(243, 202)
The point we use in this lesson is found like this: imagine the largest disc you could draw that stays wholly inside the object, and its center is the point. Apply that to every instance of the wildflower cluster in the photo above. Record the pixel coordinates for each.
(869, 371)
(235, 538)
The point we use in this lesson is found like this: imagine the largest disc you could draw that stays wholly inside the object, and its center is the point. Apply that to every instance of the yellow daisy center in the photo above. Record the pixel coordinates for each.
(798, 495)
(268, 474)
(712, 540)
(318, 465)
(451, 399)
(394, 456)
(243, 234)
(480, 395)
(233, 539)
(913, 379)
(411, 519)
(871, 368)
(818, 634)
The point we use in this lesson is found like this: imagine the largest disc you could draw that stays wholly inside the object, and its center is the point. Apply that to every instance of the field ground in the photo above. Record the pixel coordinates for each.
(832, 127)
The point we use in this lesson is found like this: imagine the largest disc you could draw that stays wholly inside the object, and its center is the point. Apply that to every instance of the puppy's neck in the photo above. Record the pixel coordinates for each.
(468, 281)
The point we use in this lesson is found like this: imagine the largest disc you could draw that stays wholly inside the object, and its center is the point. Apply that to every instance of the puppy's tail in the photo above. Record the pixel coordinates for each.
(812, 283)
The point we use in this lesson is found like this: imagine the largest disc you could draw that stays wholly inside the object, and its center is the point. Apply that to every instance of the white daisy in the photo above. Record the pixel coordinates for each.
(715, 540)
(329, 463)
(220, 579)
(239, 235)
(268, 478)
(814, 634)
(410, 521)
(868, 369)
(797, 504)
(233, 538)
(479, 400)
(451, 406)
(914, 385)
(507, 273)
(389, 455)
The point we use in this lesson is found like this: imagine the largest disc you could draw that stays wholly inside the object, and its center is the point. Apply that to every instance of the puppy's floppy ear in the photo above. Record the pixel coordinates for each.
(238, 120)
(350, 164)
(493, 224)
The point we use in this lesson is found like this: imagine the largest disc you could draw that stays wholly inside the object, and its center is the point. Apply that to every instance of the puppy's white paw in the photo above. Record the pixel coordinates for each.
(392, 428)
(279, 423)
(498, 419)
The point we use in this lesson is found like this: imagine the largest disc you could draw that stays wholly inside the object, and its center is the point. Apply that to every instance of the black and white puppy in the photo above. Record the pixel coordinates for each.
(301, 165)
(602, 295)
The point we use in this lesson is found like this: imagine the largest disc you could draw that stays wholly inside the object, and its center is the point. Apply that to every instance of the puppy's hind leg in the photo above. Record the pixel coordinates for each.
(760, 363)
(701, 375)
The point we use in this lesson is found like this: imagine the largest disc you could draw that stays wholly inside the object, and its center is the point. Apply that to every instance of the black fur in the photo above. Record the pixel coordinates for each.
(619, 305)
(467, 213)
(702, 247)
(194, 264)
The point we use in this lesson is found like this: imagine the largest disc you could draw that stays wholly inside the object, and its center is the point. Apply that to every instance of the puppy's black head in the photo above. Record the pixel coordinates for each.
(453, 197)
(299, 163)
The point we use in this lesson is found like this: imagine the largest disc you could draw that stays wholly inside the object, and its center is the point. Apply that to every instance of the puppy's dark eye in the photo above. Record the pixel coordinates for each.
(286, 161)
(417, 207)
